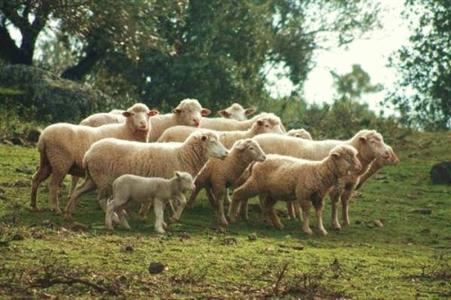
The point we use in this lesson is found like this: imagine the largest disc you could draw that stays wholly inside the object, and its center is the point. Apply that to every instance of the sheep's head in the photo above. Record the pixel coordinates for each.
(392, 158)
(138, 116)
(300, 133)
(250, 150)
(208, 141)
(185, 181)
(267, 123)
(189, 112)
(370, 144)
(237, 112)
(345, 159)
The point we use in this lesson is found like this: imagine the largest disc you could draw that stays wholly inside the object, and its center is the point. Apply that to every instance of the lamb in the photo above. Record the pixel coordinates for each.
(237, 112)
(110, 158)
(189, 112)
(99, 119)
(156, 190)
(223, 124)
(369, 144)
(217, 175)
(300, 133)
(293, 179)
(377, 164)
(62, 147)
(265, 124)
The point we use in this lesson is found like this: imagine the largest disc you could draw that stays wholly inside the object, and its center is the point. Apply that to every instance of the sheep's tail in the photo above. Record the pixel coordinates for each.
(44, 160)
(245, 175)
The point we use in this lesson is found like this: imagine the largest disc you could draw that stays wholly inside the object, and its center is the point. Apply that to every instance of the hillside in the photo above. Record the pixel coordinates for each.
(408, 257)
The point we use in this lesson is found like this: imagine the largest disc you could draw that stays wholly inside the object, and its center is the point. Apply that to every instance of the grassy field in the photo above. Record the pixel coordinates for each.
(41, 256)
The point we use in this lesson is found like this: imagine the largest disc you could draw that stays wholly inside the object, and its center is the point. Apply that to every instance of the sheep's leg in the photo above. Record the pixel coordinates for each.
(73, 185)
(122, 218)
(144, 210)
(244, 210)
(317, 201)
(110, 208)
(334, 198)
(41, 174)
(240, 195)
(345, 198)
(275, 220)
(290, 209)
(305, 213)
(88, 185)
(264, 210)
(158, 207)
(220, 215)
(179, 210)
(55, 180)
(227, 195)
(193, 196)
(297, 210)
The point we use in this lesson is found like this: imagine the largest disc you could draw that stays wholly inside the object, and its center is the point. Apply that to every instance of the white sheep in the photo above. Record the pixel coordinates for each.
(154, 190)
(237, 112)
(223, 124)
(292, 179)
(264, 124)
(369, 144)
(300, 133)
(62, 147)
(217, 175)
(110, 158)
(99, 119)
(189, 112)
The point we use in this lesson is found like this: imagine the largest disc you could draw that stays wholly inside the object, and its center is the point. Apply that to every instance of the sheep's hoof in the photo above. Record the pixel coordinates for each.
(68, 216)
(172, 220)
(222, 229)
(278, 226)
(322, 232)
(307, 231)
(160, 231)
(223, 222)
(345, 223)
(57, 210)
(165, 226)
(336, 226)
(35, 209)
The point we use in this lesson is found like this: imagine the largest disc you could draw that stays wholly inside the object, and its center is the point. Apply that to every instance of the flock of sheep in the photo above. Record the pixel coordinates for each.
(154, 159)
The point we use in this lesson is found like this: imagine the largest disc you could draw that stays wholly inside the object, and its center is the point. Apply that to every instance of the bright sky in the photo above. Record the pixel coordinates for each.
(371, 53)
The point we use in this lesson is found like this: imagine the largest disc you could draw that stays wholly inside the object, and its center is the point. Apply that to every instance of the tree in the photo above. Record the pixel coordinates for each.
(352, 85)
(423, 95)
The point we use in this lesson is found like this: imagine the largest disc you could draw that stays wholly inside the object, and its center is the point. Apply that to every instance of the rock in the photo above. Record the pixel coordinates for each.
(17, 237)
(156, 267)
(378, 223)
(298, 247)
(17, 141)
(33, 135)
(423, 211)
(184, 236)
(229, 241)
(441, 173)
(252, 237)
(128, 248)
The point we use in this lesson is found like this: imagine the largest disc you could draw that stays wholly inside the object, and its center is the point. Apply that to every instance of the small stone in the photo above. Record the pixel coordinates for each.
(156, 267)
(298, 247)
(378, 223)
(423, 211)
(229, 241)
(252, 237)
(128, 248)
(184, 236)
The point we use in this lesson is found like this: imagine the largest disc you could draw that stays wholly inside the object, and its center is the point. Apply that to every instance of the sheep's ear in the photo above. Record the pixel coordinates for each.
(127, 114)
(335, 155)
(241, 145)
(250, 110)
(177, 173)
(203, 137)
(152, 112)
(176, 110)
(259, 122)
(224, 113)
(205, 112)
(363, 139)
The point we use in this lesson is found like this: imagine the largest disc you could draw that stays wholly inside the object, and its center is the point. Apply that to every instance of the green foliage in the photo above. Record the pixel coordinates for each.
(41, 96)
(424, 93)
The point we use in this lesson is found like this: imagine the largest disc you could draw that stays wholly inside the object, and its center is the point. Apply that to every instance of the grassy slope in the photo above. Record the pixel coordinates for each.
(362, 261)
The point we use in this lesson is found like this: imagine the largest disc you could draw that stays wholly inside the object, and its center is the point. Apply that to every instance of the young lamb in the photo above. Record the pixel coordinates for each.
(217, 175)
(62, 147)
(369, 144)
(155, 190)
(189, 112)
(265, 124)
(223, 124)
(292, 179)
(99, 119)
(378, 164)
(300, 133)
(237, 112)
(110, 158)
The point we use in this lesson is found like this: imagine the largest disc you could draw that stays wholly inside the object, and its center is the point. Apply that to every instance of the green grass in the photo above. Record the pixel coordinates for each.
(407, 258)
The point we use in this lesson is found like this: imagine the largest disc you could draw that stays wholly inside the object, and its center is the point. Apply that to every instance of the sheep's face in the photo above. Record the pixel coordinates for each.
(346, 161)
(372, 145)
(189, 112)
(268, 124)
(392, 158)
(300, 133)
(211, 144)
(237, 112)
(138, 115)
(251, 150)
(185, 181)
